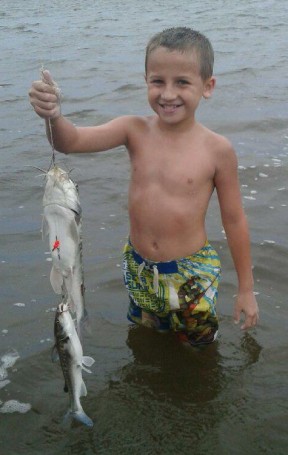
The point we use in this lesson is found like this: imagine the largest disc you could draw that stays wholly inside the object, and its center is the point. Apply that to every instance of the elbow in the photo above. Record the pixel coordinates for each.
(64, 151)
(64, 147)
(232, 223)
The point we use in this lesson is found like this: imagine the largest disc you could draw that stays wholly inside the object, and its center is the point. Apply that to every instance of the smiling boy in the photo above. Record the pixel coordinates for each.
(170, 269)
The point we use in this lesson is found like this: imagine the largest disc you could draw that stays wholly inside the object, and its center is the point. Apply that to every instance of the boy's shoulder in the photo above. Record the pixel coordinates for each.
(133, 124)
(135, 120)
(218, 144)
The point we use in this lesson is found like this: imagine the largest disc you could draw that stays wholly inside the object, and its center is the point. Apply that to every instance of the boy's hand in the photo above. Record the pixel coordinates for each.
(246, 303)
(45, 97)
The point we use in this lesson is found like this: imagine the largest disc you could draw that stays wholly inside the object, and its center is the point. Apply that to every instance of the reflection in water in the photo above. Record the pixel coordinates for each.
(173, 397)
(183, 374)
(170, 370)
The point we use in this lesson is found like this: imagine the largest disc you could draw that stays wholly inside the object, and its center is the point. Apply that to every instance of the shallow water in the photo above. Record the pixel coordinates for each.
(146, 394)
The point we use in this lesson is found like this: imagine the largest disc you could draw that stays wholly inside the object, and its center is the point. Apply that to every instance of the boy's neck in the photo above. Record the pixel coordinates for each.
(180, 127)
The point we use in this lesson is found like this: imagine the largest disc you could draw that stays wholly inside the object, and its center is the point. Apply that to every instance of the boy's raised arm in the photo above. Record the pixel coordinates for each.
(236, 229)
(67, 138)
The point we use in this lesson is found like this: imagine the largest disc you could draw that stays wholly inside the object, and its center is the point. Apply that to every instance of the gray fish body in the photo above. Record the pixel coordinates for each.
(72, 361)
(62, 223)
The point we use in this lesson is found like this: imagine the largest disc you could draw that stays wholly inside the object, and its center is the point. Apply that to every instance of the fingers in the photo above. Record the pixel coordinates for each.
(44, 99)
(42, 92)
(246, 303)
(236, 316)
(46, 113)
(47, 79)
(250, 321)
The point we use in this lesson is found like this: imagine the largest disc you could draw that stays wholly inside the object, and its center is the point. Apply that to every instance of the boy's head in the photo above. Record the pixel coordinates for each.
(184, 39)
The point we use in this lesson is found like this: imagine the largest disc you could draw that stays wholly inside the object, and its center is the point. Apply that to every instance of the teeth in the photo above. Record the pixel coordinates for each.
(169, 106)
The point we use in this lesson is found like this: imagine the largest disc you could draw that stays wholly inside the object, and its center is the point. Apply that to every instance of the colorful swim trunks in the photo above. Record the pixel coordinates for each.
(176, 295)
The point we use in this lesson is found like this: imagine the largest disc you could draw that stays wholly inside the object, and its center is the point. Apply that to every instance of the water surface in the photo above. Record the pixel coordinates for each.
(147, 395)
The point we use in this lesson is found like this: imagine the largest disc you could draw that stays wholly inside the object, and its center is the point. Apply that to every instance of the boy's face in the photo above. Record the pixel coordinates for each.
(175, 86)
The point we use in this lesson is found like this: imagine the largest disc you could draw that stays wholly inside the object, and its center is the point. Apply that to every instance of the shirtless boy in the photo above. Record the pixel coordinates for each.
(170, 269)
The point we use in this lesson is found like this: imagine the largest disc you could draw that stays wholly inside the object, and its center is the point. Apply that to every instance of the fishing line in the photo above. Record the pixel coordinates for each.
(58, 94)
(52, 144)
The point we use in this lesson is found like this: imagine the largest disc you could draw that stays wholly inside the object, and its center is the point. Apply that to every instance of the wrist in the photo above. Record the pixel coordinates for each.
(246, 286)
(54, 118)
(246, 283)
(245, 289)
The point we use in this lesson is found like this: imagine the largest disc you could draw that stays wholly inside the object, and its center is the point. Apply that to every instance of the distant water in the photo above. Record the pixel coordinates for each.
(147, 395)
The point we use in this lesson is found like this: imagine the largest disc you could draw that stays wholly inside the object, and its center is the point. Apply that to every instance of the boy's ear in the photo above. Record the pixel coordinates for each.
(209, 87)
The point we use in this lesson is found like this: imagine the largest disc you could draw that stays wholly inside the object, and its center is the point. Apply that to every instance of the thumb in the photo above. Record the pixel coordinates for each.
(46, 77)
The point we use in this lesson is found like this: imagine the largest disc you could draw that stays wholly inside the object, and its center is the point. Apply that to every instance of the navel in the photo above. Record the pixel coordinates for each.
(155, 246)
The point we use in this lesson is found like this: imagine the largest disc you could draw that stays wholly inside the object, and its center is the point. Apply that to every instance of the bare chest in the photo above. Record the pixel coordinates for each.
(175, 169)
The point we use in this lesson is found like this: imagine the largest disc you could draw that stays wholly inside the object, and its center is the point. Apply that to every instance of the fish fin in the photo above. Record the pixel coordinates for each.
(54, 354)
(69, 281)
(86, 369)
(83, 391)
(74, 231)
(45, 227)
(87, 361)
(80, 416)
(56, 280)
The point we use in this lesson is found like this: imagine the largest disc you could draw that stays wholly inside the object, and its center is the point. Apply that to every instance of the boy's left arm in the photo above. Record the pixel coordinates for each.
(236, 229)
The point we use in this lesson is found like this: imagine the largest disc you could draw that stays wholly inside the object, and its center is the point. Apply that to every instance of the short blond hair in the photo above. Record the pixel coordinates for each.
(184, 39)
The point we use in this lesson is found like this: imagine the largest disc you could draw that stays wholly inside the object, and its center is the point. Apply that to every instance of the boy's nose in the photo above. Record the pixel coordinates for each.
(168, 93)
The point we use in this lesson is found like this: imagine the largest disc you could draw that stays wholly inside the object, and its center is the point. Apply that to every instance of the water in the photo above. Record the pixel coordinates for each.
(146, 394)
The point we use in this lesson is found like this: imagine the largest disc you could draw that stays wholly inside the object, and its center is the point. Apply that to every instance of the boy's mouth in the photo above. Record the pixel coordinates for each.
(169, 108)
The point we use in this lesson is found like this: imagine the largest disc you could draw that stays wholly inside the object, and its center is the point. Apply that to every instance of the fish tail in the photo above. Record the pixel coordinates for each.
(80, 416)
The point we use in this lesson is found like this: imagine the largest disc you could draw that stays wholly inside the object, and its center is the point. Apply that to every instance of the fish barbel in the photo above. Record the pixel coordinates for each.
(62, 223)
(70, 352)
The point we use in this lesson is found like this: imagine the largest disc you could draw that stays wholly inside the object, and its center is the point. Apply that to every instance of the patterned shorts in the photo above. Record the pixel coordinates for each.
(176, 295)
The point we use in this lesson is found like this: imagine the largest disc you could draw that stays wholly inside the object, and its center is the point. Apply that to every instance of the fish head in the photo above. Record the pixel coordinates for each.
(64, 324)
(57, 174)
(56, 179)
(61, 190)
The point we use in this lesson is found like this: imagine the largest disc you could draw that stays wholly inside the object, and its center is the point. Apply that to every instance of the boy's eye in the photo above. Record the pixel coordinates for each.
(183, 82)
(156, 81)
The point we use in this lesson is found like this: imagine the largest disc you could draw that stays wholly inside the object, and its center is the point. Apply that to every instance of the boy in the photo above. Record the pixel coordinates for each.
(170, 269)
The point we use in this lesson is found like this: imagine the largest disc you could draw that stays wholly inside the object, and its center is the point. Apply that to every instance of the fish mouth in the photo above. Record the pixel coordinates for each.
(63, 307)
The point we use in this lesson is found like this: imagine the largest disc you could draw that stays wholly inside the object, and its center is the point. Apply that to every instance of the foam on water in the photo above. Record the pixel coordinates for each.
(15, 406)
(4, 383)
(3, 373)
(9, 359)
